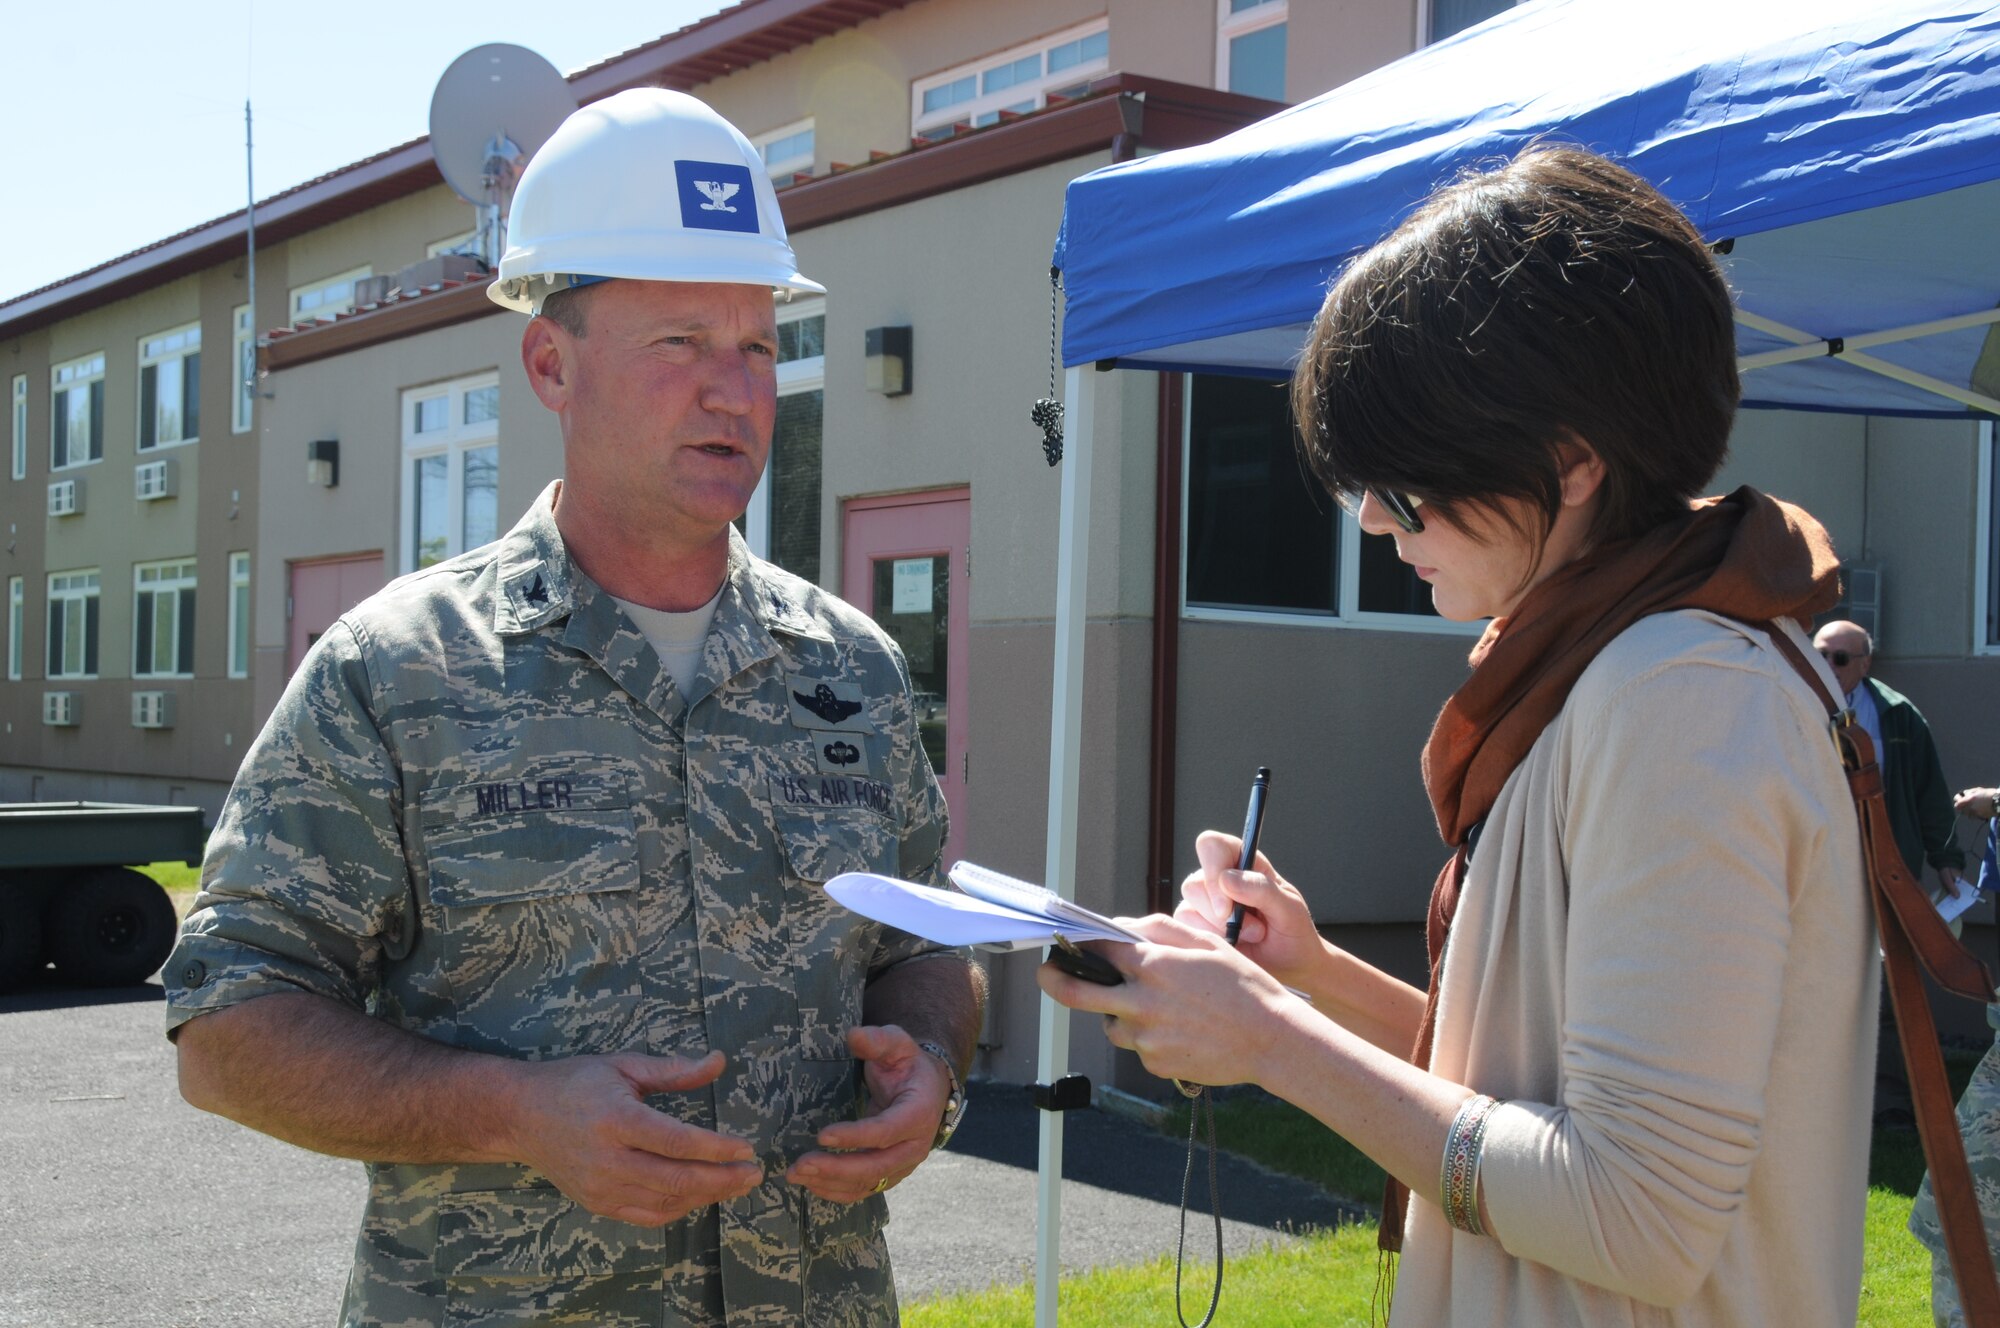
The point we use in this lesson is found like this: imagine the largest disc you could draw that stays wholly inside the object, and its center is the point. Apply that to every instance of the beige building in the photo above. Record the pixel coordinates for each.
(921, 150)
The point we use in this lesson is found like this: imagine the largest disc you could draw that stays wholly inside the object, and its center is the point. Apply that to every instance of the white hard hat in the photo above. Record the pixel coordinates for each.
(651, 185)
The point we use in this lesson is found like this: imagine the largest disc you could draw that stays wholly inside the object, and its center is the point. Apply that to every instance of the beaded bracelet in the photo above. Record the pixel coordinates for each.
(1459, 1179)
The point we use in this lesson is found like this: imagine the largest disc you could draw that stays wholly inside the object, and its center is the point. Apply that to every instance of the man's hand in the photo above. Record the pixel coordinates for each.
(327, 1077)
(1978, 804)
(584, 1123)
(907, 1090)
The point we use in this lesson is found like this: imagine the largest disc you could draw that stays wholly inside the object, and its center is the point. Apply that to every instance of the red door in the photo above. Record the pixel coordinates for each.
(321, 591)
(905, 566)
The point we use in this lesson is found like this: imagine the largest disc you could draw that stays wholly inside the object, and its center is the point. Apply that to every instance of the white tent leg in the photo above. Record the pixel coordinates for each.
(1065, 762)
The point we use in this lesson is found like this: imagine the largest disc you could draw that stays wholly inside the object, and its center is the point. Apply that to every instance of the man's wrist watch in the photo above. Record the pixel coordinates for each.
(954, 1104)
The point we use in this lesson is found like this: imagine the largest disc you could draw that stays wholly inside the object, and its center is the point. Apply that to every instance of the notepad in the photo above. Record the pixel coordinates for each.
(988, 911)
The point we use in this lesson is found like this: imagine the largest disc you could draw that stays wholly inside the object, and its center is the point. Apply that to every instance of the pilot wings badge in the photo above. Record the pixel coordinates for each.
(718, 192)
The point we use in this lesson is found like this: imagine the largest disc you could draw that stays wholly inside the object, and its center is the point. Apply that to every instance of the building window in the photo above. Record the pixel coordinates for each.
(73, 624)
(326, 299)
(787, 151)
(1250, 47)
(76, 412)
(451, 453)
(17, 619)
(1986, 630)
(19, 469)
(783, 520)
(170, 387)
(1448, 18)
(239, 615)
(163, 620)
(243, 372)
(1009, 82)
(1263, 540)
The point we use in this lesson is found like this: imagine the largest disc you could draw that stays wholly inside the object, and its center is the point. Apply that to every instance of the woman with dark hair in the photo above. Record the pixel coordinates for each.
(1637, 1090)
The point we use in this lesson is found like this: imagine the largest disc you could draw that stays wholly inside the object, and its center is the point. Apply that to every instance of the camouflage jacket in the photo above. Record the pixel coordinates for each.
(1979, 1125)
(483, 813)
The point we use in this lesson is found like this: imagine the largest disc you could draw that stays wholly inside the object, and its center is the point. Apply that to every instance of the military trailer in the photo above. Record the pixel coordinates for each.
(69, 896)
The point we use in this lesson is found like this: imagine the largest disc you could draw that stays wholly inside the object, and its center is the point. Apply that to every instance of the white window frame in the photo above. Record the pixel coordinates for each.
(156, 351)
(77, 593)
(452, 441)
(326, 306)
(794, 376)
(783, 168)
(172, 576)
(1347, 591)
(17, 621)
(73, 376)
(19, 418)
(239, 615)
(1228, 27)
(984, 105)
(242, 371)
(1989, 531)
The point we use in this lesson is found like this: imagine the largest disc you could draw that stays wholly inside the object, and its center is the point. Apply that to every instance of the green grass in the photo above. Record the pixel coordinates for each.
(1324, 1280)
(1329, 1277)
(180, 881)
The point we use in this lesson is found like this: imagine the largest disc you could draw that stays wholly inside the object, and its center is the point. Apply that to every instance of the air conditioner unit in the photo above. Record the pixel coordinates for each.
(66, 498)
(372, 290)
(156, 479)
(152, 710)
(60, 709)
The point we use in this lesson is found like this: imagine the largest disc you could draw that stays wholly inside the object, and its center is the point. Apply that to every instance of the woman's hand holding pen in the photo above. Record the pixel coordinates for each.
(1278, 929)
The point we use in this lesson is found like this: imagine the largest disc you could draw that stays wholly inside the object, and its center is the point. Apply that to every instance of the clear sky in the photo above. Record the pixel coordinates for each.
(128, 117)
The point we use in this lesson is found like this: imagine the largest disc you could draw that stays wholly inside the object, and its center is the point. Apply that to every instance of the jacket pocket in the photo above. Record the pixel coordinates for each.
(535, 900)
(831, 947)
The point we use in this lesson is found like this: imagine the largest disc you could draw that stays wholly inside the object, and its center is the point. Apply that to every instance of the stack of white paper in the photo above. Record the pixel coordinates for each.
(994, 912)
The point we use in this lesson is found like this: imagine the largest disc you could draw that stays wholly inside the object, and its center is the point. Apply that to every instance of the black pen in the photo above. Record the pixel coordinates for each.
(1253, 825)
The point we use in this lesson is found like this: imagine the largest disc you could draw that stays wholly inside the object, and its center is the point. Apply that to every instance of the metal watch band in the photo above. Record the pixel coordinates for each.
(954, 1105)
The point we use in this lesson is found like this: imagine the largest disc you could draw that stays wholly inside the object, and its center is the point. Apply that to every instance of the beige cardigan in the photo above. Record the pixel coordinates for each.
(1665, 967)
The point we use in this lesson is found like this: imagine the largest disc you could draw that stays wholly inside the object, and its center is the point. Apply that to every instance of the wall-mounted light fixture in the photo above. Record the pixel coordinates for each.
(889, 361)
(323, 462)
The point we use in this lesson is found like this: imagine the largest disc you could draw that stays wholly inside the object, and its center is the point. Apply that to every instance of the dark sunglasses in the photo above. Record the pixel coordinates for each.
(1840, 659)
(1401, 507)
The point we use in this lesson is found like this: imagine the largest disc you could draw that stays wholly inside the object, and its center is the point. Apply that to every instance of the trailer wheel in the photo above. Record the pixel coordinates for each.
(20, 937)
(110, 927)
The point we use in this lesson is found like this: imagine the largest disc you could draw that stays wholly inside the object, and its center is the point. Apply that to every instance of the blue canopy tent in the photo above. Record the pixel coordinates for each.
(1848, 152)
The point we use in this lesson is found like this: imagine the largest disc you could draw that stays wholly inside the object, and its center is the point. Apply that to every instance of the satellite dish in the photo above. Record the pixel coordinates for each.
(495, 105)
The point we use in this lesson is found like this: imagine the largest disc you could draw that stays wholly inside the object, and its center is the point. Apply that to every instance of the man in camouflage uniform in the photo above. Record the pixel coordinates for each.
(1978, 1123)
(505, 908)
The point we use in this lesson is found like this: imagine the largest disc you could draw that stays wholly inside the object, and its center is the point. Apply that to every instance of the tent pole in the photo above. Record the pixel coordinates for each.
(1818, 345)
(1065, 763)
(1808, 346)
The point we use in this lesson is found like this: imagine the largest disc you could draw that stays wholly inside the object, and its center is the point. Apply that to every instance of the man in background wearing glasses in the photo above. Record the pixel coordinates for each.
(1920, 812)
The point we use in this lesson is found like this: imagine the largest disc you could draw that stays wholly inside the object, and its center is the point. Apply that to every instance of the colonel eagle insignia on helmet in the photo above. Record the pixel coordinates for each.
(719, 193)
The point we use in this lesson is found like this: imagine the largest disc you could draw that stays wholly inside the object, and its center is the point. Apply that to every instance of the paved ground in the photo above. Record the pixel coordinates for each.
(126, 1206)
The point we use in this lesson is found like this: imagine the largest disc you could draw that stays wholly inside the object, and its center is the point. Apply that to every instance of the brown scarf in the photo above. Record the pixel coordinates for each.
(1746, 556)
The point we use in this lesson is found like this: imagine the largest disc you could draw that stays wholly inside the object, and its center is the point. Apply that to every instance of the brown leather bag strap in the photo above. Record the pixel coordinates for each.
(1912, 932)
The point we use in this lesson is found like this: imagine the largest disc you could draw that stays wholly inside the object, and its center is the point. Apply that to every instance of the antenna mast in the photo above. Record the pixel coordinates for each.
(250, 213)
